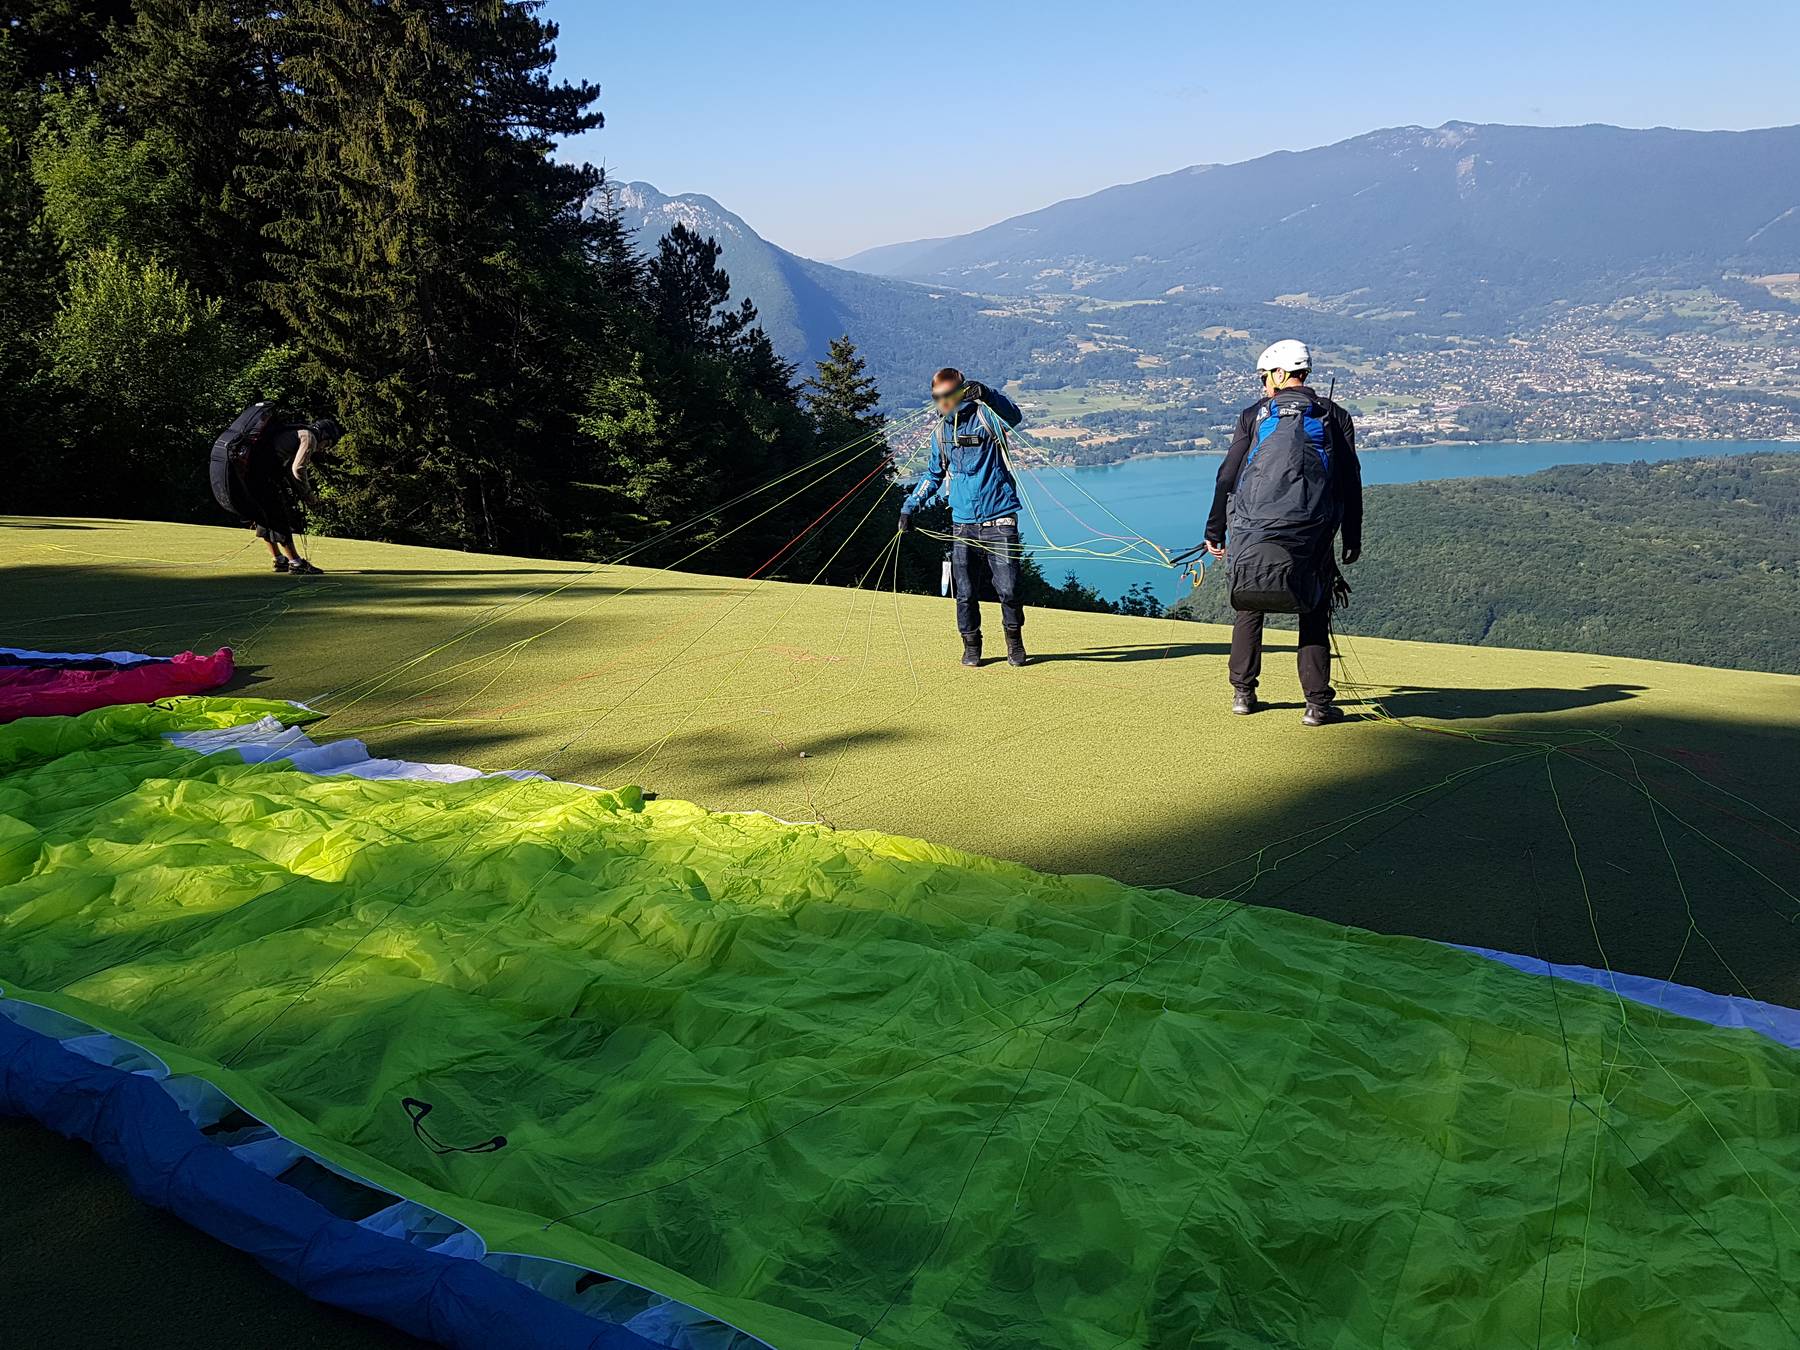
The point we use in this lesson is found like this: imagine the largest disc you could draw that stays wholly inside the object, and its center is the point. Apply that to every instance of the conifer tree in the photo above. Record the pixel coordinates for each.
(687, 290)
(841, 394)
(431, 254)
(842, 400)
(30, 270)
(188, 77)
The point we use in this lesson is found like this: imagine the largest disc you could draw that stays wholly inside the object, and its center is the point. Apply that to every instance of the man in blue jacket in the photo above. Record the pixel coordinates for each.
(968, 465)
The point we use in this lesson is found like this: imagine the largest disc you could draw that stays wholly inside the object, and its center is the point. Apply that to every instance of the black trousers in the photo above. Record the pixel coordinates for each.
(1315, 652)
(986, 553)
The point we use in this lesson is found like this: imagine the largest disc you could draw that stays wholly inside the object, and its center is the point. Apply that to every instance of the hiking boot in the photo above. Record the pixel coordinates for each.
(972, 650)
(302, 568)
(1318, 714)
(281, 564)
(1243, 702)
(1015, 648)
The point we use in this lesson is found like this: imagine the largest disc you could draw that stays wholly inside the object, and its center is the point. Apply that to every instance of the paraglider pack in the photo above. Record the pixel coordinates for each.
(231, 459)
(1284, 510)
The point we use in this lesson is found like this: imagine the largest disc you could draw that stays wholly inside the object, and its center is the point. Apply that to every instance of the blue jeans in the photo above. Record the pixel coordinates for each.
(986, 553)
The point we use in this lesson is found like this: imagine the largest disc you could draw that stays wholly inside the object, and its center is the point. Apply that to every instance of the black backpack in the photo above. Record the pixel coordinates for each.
(231, 457)
(1284, 510)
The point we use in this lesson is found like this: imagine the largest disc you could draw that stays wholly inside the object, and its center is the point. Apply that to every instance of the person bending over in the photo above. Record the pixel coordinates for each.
(280, 475)
(968, 464)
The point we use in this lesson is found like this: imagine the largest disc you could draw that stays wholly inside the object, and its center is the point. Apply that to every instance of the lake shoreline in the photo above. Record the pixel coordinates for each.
(1165, 496)
(1439, 445)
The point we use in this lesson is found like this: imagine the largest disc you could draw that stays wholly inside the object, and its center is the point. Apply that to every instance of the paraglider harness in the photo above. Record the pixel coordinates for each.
(1192, 563)
(245, 479)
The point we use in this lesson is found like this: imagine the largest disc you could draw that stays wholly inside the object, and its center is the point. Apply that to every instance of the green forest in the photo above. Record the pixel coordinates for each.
(357, 211)
(1693, 560)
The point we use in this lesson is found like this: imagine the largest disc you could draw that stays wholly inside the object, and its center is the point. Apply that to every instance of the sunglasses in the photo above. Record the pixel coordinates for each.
(944, 395)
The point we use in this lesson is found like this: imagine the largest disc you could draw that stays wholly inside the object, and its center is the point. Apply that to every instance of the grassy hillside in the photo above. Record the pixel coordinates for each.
(1692, 560)
(1593, 810)
(1114, 753)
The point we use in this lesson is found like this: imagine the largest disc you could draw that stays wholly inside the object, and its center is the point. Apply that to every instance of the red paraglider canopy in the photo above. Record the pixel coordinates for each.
(50, 684)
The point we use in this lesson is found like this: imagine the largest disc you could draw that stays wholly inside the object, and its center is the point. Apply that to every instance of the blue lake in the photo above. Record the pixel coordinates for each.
(1166, 498)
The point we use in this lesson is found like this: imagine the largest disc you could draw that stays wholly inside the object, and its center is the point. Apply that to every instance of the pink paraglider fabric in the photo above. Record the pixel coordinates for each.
(78, 684)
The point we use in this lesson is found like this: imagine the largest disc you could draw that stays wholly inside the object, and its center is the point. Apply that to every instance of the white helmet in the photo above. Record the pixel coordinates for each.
(1288, 355)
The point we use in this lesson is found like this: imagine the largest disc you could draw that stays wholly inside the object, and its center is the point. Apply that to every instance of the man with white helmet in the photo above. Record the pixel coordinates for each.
(1289, 484)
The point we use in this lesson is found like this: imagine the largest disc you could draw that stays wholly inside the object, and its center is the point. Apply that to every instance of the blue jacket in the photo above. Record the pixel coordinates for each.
(968, 461)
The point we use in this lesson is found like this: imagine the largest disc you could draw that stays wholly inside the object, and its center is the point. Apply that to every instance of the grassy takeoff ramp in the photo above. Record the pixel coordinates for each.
(837, 1086)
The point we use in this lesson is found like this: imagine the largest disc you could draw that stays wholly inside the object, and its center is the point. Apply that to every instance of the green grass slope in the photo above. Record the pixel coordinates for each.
(1588, 809)
(1112, 753)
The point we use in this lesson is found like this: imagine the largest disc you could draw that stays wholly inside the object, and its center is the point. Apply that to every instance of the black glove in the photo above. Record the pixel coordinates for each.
(1352, 553)
(905, 522)
(976, 390)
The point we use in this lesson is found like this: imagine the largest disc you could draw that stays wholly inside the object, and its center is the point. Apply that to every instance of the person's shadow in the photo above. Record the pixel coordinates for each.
(1448, 704)
(1146, 651)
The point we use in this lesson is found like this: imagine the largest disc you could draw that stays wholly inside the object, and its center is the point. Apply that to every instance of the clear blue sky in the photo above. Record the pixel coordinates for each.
(831, 127)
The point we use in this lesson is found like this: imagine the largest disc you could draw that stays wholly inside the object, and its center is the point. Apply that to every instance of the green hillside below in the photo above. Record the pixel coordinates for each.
(1693, 560)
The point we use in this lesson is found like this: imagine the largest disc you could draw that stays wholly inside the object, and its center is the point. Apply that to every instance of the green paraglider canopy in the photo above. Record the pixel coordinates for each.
(847, 1088)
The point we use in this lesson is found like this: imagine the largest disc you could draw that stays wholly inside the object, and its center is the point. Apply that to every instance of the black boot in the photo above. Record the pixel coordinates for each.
(971, 649)
(1015, 647)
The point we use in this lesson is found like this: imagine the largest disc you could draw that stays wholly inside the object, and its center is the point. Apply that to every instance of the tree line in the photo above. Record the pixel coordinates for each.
(1694, 560)
(357, 209)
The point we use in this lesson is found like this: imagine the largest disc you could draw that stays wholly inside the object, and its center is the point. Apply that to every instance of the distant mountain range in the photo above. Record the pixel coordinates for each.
(1409, 240)
(1459, 221)
(906, 330)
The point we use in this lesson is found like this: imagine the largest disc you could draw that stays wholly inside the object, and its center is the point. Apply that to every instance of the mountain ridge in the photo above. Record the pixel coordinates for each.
(904, 328)
(1501, 217)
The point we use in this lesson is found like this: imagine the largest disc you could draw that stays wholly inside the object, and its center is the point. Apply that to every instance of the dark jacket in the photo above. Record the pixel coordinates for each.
(968, 450)
(1346, 470)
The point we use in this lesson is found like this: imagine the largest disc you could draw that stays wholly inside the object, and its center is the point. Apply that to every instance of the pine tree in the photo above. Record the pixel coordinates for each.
(30, 272)
(841, 394)
(687, 290)
(621, 267)
(841, 400)
(60, 42)
(431, 254)
(188, 77)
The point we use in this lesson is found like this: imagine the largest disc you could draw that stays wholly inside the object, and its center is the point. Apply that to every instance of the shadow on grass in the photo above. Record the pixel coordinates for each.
(1145, 651)
(1657, 845)
(571, 571)
(1567, 825)
(242, 678)
(1444, 704)
(91, 1264)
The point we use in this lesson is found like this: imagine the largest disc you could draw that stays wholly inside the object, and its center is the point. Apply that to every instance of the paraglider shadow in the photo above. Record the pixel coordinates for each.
(1448, 704)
